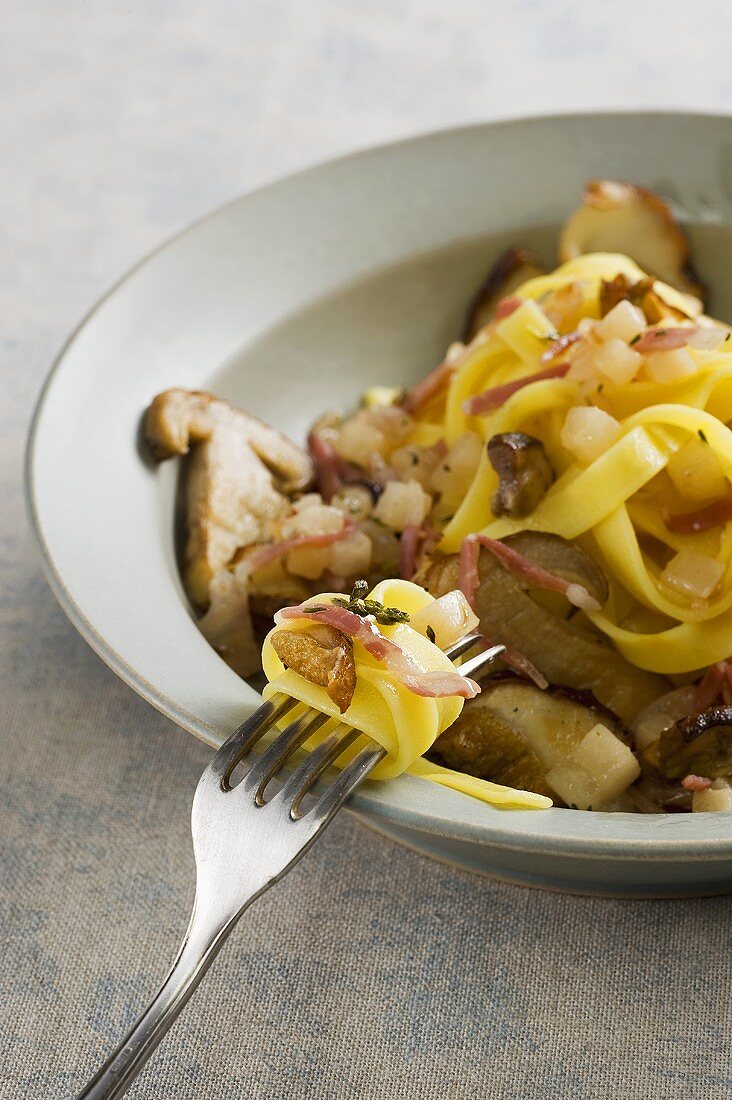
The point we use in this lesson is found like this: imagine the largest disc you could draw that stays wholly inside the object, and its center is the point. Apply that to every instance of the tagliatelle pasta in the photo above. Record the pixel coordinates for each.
(382, 708)
(617, 502)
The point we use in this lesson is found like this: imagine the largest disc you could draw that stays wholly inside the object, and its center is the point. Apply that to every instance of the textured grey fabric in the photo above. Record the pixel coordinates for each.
(369, 972)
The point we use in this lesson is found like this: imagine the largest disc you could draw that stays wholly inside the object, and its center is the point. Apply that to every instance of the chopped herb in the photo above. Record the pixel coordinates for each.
(635, 339)
(430, 634)
(447, 467)
(414, 458)
(359, 605)
(601, 387)
(727, 337)
(702, 436)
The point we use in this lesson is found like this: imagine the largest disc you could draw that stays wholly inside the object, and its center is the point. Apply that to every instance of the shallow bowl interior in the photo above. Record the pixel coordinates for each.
(292, 300)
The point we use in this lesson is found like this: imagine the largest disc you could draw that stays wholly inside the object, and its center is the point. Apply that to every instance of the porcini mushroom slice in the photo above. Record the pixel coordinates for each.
(322, 656)
(565, 651)
(700, 744)
(621, 217)
(648, 296)
(524, 473)
(512, 268)
(514, 733)
(236, 477)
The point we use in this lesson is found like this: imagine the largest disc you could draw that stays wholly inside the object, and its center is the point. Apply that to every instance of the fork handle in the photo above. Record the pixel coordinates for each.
(200, 947)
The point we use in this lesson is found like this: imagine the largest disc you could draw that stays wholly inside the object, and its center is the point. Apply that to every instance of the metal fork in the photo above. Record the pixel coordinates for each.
(243, 843)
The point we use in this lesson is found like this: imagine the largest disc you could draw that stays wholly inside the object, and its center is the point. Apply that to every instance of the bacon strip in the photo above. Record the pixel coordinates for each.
(265, 555)
(506, 307)
(408, 546)
(468, 584)
(664, 339)
(498, 395)
(715, 683)
(327, 465)
(436, 381)
(560, 345)
(430, 685)
(534, 574)
(691, 523)
(696, 783)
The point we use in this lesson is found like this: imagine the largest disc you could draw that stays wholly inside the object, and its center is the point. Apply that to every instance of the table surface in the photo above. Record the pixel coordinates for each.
(369, 972)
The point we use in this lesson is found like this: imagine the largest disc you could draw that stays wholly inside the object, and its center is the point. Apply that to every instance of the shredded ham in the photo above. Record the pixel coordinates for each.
(408, 546)
(265, 555)
(434, 383)
(468, 584)
(327, 465)
(494, 398)
(715, 683)
(664, 339)
(691, 523)
(558, 346)
(506, 307)
(534, 574)
(431, 685)
(696, 783)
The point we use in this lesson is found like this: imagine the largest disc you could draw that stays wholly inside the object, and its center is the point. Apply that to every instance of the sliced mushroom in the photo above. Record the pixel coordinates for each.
(622, 217)
(524, 473)
(700, 744)
(514, 733)
(513, 268)
(236, 478)
(647, 296)
(322, 656)
(565, 651)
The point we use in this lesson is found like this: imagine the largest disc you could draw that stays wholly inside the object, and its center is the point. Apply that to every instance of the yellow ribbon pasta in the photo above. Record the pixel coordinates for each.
(384, 709)
(619, 502)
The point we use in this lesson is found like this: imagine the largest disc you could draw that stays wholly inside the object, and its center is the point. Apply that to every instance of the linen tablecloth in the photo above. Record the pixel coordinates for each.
(369, 972)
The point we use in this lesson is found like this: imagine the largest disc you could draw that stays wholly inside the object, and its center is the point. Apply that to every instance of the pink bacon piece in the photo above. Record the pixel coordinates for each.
(430, 685)
(408, 546)
(499, 395)
(506, 307)
(265, 555)
(328, 474)
(691, 523)
(436, 381)
(468, 583)
(696, 783)
(664, 339)
(534, 574)
(558, 346)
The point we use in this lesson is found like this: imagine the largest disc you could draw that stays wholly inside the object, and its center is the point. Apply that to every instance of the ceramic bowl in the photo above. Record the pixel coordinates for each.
(293, 299)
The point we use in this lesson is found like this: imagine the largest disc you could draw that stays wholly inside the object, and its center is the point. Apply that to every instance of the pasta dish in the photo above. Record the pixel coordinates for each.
(561, 482)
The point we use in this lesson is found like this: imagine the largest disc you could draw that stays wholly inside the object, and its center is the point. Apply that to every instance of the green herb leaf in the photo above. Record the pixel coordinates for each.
(430, 634)
(359, 605)
(702, 436)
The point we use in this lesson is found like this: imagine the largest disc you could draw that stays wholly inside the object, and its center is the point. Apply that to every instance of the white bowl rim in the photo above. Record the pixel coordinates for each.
(610, 836)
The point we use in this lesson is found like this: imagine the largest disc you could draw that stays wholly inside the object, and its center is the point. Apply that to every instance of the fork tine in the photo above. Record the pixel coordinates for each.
(463, 645)
(306, 775)
(347, 781)
(481, 660)
(270, 762)
(235, 748)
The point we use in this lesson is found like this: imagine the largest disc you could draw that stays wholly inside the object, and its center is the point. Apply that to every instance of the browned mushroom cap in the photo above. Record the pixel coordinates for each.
(513, 268)
(324, 656)
(514, 733)
(647, 295)
(622, 217)
(523, 470)
(700, 743)
(565, 651)
(235, 478)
